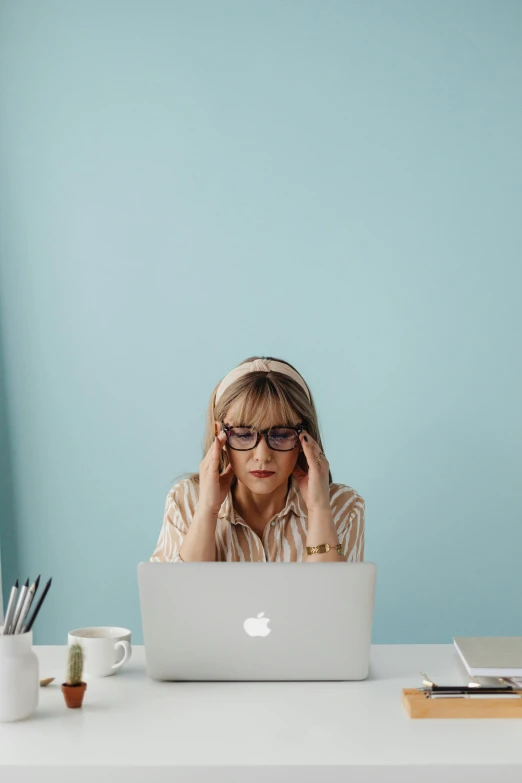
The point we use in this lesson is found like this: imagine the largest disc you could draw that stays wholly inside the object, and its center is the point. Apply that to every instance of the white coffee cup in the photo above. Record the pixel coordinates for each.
(102, 645)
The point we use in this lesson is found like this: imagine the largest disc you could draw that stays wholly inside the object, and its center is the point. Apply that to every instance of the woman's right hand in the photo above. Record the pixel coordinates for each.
(213, 485)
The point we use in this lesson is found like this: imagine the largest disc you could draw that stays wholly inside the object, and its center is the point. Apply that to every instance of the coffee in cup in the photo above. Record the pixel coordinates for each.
(102, 648)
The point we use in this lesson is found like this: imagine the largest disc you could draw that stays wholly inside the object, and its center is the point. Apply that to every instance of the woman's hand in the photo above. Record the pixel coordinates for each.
(314, 485)
(213, 485)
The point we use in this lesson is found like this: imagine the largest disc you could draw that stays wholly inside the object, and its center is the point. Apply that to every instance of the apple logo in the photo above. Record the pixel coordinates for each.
(257, 626)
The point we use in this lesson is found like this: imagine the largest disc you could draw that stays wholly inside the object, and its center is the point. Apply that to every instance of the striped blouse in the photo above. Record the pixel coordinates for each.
(284, 536)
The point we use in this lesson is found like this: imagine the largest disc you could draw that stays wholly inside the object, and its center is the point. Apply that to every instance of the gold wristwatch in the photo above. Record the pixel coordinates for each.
(319, 550)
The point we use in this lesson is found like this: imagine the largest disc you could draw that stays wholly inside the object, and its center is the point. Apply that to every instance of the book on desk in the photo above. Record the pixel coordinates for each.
(490, 656)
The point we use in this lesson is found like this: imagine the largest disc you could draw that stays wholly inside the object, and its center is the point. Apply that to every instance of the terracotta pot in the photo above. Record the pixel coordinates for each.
(74, 694)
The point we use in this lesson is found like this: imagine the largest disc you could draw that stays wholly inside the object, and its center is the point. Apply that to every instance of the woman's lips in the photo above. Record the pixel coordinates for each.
(262, 473)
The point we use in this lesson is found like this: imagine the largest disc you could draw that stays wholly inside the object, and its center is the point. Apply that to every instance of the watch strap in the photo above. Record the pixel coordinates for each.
(322, 548)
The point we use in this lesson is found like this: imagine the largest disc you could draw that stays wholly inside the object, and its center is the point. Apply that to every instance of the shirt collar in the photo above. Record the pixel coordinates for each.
(292, 503)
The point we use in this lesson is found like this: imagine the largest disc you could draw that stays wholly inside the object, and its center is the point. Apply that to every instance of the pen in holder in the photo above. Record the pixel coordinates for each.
(19, 676)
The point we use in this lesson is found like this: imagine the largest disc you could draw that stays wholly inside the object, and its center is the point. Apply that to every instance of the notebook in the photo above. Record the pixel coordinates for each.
(491, 656)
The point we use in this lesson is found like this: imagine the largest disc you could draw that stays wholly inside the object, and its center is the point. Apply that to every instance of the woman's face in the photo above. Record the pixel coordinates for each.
(262, 457)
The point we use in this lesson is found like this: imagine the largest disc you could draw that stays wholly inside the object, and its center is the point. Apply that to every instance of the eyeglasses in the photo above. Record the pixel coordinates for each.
(277, 438)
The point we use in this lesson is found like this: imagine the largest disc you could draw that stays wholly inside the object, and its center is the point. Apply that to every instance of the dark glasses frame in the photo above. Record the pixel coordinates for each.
(227, 427)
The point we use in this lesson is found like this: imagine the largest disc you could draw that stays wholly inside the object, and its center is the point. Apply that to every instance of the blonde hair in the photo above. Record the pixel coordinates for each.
(264, 399)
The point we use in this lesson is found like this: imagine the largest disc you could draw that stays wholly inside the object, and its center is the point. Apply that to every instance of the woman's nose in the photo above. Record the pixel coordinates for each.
(263, 447)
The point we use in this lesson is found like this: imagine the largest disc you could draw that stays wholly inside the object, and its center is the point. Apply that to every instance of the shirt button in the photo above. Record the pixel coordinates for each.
(272, 522)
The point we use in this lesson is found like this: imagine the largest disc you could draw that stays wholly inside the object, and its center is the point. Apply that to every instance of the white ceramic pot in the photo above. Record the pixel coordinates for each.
(19, 676)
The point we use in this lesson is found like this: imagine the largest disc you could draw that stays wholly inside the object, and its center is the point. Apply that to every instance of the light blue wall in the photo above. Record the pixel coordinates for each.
(184, 184)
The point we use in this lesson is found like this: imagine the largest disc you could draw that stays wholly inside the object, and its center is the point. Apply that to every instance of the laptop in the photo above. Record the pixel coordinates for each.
(223, 621)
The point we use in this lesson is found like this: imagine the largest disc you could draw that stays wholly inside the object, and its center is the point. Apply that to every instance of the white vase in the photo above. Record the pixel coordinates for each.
(19, 676)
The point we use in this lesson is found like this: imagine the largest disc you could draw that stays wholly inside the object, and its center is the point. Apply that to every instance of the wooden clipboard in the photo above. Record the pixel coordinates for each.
(418, 706)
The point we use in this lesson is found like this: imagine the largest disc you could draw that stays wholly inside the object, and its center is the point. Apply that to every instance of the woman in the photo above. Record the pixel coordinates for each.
(264, 491)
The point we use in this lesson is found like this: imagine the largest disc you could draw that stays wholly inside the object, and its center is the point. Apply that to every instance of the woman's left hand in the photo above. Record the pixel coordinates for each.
(314, 485)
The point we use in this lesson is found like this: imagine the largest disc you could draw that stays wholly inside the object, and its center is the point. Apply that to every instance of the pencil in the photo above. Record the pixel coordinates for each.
(21, 598)
(38, 607)
(10, 608)
(26, 606)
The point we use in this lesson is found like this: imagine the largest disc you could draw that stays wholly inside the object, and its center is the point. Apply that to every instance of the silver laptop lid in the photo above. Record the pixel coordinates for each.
(257, 621)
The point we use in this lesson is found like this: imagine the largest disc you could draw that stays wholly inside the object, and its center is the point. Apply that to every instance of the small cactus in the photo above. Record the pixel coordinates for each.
(75, 664)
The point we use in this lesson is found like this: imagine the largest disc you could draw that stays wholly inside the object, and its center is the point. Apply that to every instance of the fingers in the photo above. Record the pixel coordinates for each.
(311, 449)
(217, 444)
(308, 443)
(212, 456)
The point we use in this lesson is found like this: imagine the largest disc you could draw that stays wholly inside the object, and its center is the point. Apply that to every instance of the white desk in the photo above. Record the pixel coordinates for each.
(132, 728)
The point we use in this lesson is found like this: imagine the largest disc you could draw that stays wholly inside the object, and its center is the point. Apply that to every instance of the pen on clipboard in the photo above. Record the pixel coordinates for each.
(475, 690)
(38, 607)
(468, 689)
(469, 693)
(474, 695)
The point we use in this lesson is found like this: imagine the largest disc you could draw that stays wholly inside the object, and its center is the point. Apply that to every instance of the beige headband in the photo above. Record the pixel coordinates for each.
(265, 365)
